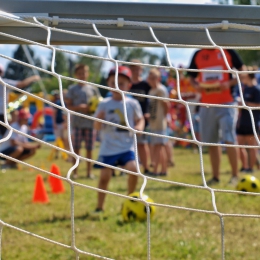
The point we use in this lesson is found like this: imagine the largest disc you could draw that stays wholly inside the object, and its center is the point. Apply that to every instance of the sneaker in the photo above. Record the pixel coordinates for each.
(212, 181)
(233, 181)
(249, 171)
(243, 169)
(97, 214)
(163, 173)
(146, 172)
(91, 177)
(153, 174)
(74, 176)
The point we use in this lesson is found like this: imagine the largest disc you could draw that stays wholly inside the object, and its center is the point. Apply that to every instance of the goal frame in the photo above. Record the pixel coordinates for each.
(145, 12)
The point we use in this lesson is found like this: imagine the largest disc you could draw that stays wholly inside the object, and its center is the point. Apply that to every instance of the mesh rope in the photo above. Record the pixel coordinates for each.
(40, 22)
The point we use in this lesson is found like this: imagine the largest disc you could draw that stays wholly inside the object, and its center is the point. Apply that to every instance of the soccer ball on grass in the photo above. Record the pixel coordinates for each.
(249, 183)
(133, 210)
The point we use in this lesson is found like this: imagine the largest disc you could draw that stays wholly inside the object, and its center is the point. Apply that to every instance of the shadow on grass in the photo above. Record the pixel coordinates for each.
(53, 219)
(199, 173)
(171, 187)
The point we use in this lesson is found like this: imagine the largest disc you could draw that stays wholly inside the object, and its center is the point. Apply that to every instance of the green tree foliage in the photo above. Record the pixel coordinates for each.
(245, 2)
(129, 53)
(50, 82)
(17, 71)
(93, 63)
(65, 66)
(61, 63)
(250, 57)
(164, 61)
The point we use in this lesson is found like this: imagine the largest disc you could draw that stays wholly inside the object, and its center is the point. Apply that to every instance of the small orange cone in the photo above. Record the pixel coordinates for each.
(56, 184)
(40, 194)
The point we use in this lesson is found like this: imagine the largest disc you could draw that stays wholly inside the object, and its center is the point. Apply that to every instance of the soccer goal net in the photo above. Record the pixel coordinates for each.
(187, 217)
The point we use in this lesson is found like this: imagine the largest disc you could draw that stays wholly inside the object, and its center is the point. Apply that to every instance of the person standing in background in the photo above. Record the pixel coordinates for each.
(77, 99)
(216, 88)
(140, 86)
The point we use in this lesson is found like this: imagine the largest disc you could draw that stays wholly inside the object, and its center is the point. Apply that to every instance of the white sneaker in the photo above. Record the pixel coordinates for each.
(233, 181)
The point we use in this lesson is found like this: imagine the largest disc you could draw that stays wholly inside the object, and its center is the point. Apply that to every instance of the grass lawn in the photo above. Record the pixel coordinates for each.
(175, 233)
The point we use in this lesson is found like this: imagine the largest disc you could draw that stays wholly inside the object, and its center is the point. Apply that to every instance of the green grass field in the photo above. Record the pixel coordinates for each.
(175, 234)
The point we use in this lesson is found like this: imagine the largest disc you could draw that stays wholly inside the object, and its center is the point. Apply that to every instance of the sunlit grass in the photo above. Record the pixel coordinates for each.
(175, 234)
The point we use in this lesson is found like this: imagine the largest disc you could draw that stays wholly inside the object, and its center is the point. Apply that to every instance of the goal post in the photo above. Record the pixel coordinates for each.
(88, 23)
(174, 14)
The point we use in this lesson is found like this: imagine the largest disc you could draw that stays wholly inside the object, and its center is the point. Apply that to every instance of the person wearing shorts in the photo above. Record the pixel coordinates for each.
(216, 88)
(244, 130)
(17, 146)
(117, 144)
(158, 110)
(77, 99)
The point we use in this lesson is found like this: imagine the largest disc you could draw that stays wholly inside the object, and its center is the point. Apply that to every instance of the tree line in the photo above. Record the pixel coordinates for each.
(64, 65)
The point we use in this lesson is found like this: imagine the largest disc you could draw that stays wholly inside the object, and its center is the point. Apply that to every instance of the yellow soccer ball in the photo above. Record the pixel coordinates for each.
(93, 104)
(133, 210)
(249, 183)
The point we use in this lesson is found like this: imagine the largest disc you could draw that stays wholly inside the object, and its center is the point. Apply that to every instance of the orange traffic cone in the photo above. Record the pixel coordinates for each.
(40, 194)
(56, 184)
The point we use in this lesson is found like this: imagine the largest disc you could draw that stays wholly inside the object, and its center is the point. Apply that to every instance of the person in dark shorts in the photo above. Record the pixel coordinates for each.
(244, 130)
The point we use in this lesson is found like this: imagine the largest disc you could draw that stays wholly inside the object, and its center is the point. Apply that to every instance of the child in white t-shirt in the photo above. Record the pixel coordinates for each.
(117, 144)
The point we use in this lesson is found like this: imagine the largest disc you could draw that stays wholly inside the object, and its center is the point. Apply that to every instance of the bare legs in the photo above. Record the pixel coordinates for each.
(247, 156)
(144, 154)
(88, 164)
(215, 158)
(105, 176)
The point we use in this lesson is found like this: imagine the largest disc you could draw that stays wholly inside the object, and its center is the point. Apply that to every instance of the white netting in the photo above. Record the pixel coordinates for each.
(42, 22)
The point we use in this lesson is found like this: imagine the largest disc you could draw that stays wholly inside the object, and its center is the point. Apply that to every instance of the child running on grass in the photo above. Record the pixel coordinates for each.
(117, 144)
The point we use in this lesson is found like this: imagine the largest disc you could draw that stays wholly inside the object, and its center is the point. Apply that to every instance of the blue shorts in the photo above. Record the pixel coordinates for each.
(118, 159)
